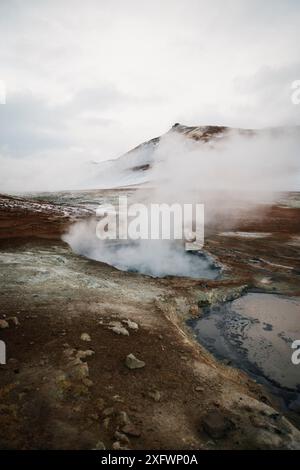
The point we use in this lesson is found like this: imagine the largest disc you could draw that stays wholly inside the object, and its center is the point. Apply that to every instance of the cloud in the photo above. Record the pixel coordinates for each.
(28, 124)
(267, 94)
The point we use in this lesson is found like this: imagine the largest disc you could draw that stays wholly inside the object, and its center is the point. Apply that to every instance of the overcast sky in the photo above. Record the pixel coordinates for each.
(94, 78)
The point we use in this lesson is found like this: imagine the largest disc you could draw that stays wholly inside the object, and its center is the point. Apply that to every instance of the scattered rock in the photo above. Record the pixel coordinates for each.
(80, 370)
(131, 430)
(108, 412)
(85, 337)
(122, 437)
(133, 363)
(99, 446)
(87, 382)
(120, 330)
(4, 324)
(131, 324)
(15, 321)
(155, 395)
(266, 280)
(84, 354)
(216, 425)
(194, 310)
(116, 445)
(69, 352)
(117, 398)
(199, 389)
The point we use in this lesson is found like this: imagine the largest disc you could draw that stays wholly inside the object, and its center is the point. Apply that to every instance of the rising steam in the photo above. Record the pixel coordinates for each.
(234, 173)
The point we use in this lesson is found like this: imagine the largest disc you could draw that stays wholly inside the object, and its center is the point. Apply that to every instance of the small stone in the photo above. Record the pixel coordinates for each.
(194, 310)
(108, 412)
(69, 352)
(216, 425)
(83, 354)
(133, 363)
(85, 337)
(266, 280)
(15, 321)
(155, 395)
(199, 389)
(87, 382)
(117, 398)
(131, 430)
(120, 330)
(116, 445)
(4, 324)
(80, 370)
(122, 437)
(131, 324)
(99, 446)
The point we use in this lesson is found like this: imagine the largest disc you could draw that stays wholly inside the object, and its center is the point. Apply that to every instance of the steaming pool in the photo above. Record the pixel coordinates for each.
(255, 334)
(153, 258)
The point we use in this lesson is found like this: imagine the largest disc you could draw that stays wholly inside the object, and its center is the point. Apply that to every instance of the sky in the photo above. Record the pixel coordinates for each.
(89, 80)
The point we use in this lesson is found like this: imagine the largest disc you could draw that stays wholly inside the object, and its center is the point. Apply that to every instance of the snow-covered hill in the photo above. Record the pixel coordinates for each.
(136, 166)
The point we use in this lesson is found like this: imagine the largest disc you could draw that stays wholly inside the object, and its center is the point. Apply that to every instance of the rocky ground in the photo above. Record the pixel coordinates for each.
(99, 358)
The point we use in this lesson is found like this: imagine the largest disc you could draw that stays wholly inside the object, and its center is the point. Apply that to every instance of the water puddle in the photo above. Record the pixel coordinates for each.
(255, 333)
(245, 234)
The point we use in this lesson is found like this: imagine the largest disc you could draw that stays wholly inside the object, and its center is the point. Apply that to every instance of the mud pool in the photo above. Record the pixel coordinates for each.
(152, 258)
(255, 333)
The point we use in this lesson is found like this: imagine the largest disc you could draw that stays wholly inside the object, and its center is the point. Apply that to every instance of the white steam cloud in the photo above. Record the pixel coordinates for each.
(233, 173)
